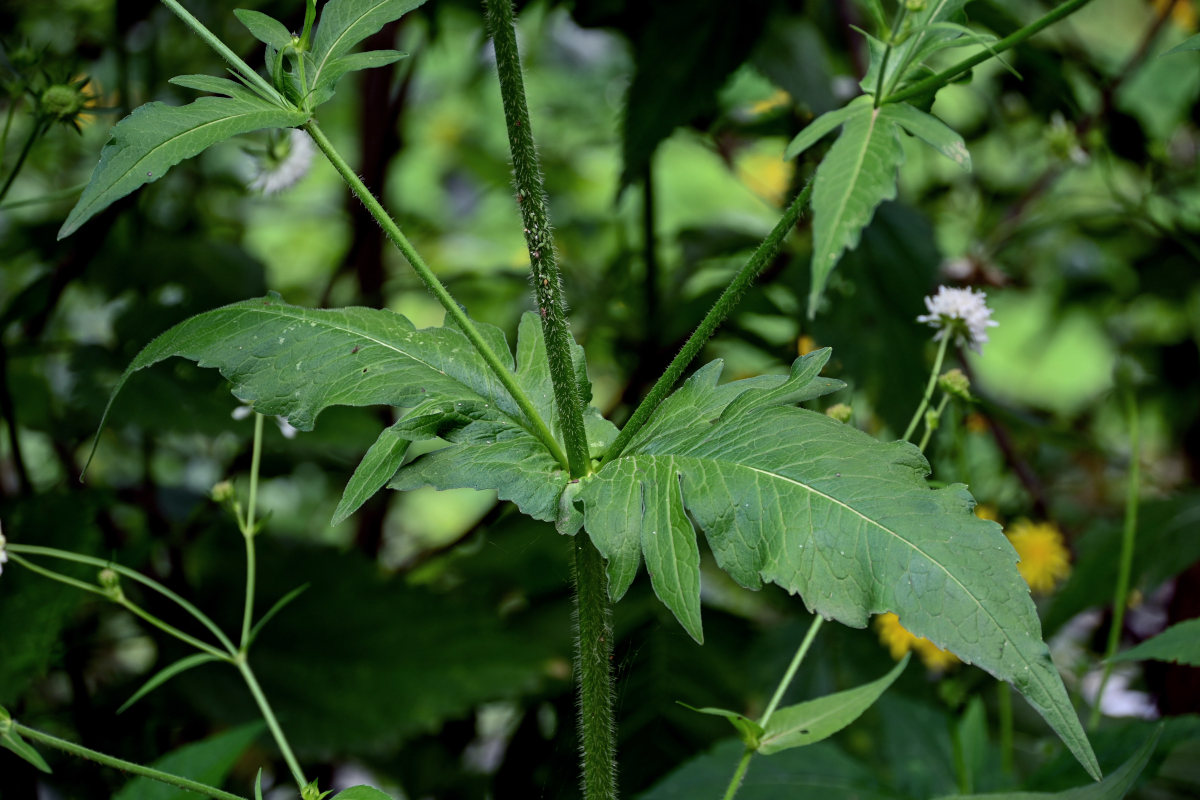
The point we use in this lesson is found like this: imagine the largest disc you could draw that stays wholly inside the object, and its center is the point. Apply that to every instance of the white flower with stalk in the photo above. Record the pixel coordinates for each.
(286, 160)
(960, 313)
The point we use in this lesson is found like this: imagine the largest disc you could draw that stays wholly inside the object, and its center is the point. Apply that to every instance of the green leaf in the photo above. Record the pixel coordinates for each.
(810, 722)
(352, 63)
(1190, 43)
(12, 741)
(165, 674)
(792, 497)
(343, 24)
(156, 137)
(932, 131)
(377, 468)
(361, 793)
(923, 39)
(208, 761)
(279, 605)
(748, 730)
(1178, 644)
(221, 86)
(856, 175)
(266, 29)
(1114, 787)
(822, 125)
(258, 795)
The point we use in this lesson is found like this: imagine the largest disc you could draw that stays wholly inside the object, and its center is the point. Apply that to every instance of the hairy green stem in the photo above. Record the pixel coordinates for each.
(125, 766)
(537, 426)
(721, 309)
(744, 764)
(65, 555)
(272, 723)
(925, 398)
(593, 654)
(543, 258)
(1125, 567)
(237, 63)
(936, 81)
(248, 533)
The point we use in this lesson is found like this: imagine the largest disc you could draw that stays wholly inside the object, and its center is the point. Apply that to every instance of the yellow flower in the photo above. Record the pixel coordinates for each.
(899, 641)
(1045, 560)
(988, 512)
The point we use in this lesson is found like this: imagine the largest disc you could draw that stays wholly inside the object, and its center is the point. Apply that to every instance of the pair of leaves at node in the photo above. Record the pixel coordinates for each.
(782, 494)
(12, 741)
(155, 137)
(859, 171)
(809, 722)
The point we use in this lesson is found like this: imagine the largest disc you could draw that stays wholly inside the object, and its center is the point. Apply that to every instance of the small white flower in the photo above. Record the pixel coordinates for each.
(961, 313)
(242, 412)
(3, 552)
(286, 160)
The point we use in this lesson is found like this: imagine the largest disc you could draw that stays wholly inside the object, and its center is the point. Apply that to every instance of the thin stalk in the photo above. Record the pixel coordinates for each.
(52, 552)
(937, 416)
(543, 258)
(537, 426)
(210, 38)
(940, 79)
(272, 723)
(901, 15)
(933, 376)
(593, 654)
(1004, 710)
(248, 533)
(744, 764)
(39, 127)
(8, 120)
(83, 586)
(721, 309)
(1125, 568)
(125, 766)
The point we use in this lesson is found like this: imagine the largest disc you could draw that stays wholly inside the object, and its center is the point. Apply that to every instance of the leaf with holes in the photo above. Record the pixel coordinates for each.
(795, 498)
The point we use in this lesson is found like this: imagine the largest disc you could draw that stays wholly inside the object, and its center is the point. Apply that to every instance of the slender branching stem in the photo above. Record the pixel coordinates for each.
(940, 79)
(721, 309)
(272, 723)
(1125, 566)
(925, 398)
(932, 421)
(543, 257)
(130, 767)
(40, 126)
(537, 426)
(739, 774)
(248, 532)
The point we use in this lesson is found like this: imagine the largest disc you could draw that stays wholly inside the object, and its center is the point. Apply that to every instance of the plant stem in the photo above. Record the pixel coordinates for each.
(934, 82)
(744, 764)
(721, 309)
(537, 426)
(901, 15)
(937, 415)
(210, 38)
(121, 764)
(52, 552)
(933, 376)
(543, 258)
(277, 732)
(593, 654)
(248, 533)
(1004, 710)
(1128, 539)
(39, 127)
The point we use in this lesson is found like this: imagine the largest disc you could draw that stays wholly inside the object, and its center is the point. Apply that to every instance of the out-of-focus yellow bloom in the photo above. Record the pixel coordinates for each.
(766, 174)
(988, 512)
(1045, 560)
(899, 641)
(805, 345)
(777, 99)
(1183, 14)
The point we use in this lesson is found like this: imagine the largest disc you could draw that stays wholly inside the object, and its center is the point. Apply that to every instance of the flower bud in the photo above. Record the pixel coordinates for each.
(62, 102)
(110, 582)
(223, 492)
(914, 5)
(956, 384)
(841, 412)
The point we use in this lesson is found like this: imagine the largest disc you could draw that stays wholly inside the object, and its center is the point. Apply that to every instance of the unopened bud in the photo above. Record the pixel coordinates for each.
(914, 5)
(110, 582)
(223, 492)
(841, 412)
(956, 384)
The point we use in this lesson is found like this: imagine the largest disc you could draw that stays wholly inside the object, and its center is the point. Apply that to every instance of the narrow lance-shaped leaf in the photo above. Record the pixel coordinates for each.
(748, 730)
(343, 24)
(932, 131)
(857, 174)
(795, 498)
(155, 137)
(266, 29)
(824, 124)
(165, 674)
(1179, 644)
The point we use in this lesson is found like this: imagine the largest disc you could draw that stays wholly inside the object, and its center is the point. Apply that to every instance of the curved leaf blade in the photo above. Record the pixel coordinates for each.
(345, 23)
(1179, 644)
(857, 174)
(264, 27)
(378, 466)
(932, 131)
(748, 730)
(810, 722)
(822, 125)
(156, 137)
(165, 674)
(13, 742)
(794, 498)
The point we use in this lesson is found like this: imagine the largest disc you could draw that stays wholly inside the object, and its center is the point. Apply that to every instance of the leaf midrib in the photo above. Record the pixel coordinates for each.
(334, 44)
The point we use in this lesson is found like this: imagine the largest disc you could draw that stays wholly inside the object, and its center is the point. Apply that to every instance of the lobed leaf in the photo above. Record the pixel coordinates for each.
(797, 499)
(155, 137)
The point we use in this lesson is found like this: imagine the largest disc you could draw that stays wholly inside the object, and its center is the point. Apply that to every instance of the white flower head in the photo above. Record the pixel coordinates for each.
(961, 313)
(284, 162)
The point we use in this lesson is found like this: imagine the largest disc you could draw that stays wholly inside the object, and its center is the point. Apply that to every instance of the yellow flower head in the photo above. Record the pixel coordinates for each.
(899, 641)
(1045, 560)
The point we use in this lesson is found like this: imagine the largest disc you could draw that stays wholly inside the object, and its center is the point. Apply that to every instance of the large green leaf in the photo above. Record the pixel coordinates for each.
(792, 497)
(343, 24)
(856, 175)
(208, 762)
(156, 137)
(1179, 644)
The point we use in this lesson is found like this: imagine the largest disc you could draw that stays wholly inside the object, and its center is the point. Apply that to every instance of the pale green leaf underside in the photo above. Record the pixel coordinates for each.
(795, 498)
(377, 468)
(810, 722)
(1179, 644)
(932, 131)
(156, 137)
(345, 23)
